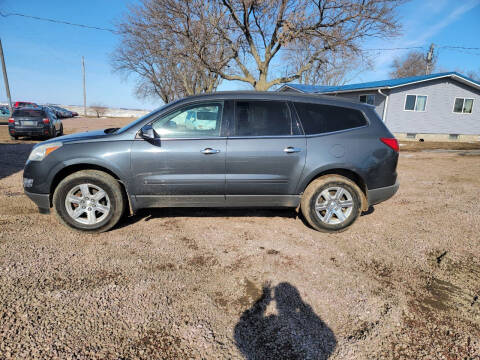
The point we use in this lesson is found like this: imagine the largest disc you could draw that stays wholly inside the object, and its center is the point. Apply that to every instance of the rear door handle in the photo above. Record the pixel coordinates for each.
(208, 151)
(291, 149)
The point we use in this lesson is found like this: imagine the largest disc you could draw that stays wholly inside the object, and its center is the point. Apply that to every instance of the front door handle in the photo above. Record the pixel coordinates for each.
(208, 151)
(291, 149)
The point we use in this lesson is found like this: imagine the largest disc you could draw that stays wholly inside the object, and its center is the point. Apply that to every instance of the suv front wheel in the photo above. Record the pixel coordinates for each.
(331, 203)
(89, 200)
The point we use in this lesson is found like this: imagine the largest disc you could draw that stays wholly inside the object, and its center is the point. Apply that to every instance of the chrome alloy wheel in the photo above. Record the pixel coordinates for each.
(334, 205)
(87, 204)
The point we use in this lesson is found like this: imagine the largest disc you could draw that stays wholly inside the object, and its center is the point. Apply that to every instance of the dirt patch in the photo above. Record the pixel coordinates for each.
(251, 294)
(201, 260)
(168, 284)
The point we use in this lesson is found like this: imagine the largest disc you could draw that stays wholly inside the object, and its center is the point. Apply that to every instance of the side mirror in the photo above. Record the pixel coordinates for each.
(147, 133)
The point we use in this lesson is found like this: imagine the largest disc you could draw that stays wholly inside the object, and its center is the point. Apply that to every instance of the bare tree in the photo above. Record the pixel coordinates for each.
(336, 68)
(163, 71)
(472, 74)
(412, 64)
(241, 39)
(99, 109)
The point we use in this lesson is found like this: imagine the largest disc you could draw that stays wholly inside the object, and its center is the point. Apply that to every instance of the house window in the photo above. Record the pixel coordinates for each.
(415, 103)
(463, 106)
(367, 99)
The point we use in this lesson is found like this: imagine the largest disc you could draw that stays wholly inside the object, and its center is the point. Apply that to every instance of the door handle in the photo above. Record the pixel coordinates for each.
(291, 149)
(208, 151)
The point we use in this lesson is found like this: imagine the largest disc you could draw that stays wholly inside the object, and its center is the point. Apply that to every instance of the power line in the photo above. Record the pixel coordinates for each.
(283, 49)
(58, 21)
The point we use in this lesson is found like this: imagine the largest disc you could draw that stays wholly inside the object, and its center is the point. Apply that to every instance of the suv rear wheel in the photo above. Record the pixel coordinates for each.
(89, 200)
(331, 203)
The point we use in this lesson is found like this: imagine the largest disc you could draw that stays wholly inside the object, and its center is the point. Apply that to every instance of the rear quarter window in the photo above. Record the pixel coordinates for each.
(319, 118)
(29, 113)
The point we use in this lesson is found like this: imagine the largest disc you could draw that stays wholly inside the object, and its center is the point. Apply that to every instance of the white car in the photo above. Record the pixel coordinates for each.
(201, 120)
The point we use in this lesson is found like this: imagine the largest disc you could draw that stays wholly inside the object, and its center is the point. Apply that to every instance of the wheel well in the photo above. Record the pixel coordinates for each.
(357, 179)
(62, 174)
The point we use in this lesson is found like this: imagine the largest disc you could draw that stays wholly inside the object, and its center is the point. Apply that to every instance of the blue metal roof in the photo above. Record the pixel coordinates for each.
(314, 89)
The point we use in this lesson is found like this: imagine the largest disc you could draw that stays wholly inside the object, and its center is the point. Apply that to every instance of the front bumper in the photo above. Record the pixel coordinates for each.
(376, 196)
(42, 201)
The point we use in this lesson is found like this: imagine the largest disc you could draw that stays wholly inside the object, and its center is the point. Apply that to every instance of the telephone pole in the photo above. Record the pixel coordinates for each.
(84, 89)
(429, 59)
(5, 79)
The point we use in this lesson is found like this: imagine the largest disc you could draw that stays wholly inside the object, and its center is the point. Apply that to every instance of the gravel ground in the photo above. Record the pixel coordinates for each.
(402, 283)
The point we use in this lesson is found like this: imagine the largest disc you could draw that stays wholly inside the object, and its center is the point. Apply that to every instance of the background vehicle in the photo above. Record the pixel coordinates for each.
(61, 112)
(24, 103)
(4, 114)
(34, 121)
(201, 119)
(331, 156)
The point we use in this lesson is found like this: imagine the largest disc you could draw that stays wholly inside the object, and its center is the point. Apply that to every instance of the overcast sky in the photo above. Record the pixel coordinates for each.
(44, 59)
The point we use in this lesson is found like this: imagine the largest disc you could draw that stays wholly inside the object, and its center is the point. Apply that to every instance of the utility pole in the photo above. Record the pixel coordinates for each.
(429, 59)
(84, 89)
(5, 79)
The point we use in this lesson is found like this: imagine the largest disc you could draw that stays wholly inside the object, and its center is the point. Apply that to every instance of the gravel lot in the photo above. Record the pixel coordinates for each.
(402, 283)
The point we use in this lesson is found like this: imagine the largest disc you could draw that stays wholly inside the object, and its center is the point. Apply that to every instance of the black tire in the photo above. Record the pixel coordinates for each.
(314, 191)
(60, 132)
(96, 178)
(14, 137)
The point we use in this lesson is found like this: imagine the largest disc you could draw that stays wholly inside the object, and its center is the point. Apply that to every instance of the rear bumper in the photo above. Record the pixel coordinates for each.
(42, 201)
(376, 196)
(28, 131)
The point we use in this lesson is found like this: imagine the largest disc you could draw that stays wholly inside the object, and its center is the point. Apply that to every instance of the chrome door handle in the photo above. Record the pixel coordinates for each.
(208, 151)
(291, 149)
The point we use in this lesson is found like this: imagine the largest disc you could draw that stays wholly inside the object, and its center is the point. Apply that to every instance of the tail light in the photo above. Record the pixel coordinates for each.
(391, 143)
(46, 121)
(11, 120)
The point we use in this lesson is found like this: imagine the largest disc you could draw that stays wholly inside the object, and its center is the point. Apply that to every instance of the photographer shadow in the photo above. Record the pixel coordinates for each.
(294, 332)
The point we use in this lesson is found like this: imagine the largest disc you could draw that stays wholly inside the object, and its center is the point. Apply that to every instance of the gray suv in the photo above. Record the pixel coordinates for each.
(331, 157)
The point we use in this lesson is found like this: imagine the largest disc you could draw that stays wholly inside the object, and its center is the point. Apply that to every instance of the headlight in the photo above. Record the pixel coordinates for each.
(40, 152)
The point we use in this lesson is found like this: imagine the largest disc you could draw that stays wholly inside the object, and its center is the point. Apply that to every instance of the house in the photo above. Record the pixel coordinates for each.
(444, 106)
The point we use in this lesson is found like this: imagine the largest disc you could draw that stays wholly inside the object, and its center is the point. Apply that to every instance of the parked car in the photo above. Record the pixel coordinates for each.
(34, 121)
(61, 112)
(57, 113)
(332, 157)
(24, 103)
(4, 115)
(201, 119)
(4, 111)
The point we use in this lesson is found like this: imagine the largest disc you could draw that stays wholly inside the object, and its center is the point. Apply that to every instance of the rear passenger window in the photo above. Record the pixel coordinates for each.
(262, 118)
(318, 119)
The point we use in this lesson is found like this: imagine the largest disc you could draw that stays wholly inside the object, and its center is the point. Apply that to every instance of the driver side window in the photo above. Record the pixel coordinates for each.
(194, 121)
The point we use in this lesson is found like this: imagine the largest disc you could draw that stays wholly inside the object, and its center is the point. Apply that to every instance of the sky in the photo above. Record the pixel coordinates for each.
(44, 59)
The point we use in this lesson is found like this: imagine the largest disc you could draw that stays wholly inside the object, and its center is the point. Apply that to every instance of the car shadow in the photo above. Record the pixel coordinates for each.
(158, 213)
(13, 158)
(291, 331)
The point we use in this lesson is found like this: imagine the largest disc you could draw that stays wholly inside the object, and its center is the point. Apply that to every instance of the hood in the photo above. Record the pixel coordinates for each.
(80, 137)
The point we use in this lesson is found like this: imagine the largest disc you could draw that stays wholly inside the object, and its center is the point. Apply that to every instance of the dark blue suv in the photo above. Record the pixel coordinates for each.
(34, 121)
(331, 157)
